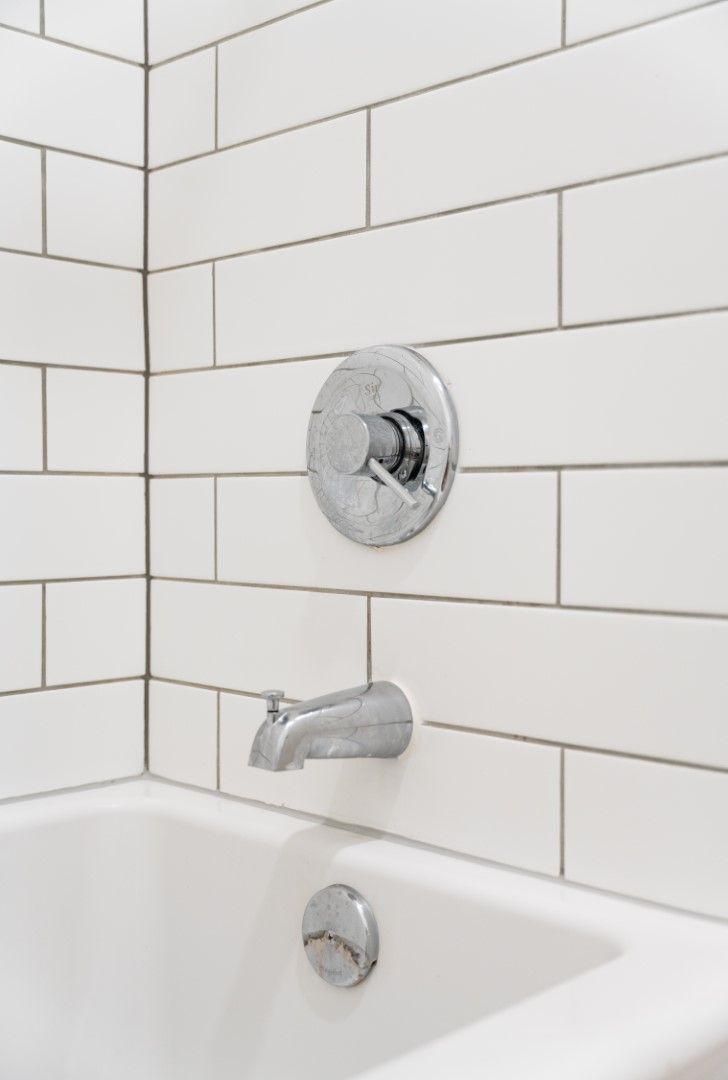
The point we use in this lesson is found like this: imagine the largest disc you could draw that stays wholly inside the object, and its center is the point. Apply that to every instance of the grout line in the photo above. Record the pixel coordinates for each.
(43, 203)
(577, 747)
(560, 259)
(369, 638)
(445, 213)
(70, 153)
(558, 537)
(460, 78)
(469, 470)
(527, 605)
(368, 182)
(562, 812)
(67, 258)
(497, 336)
(478, 732)
(214, 315)
(217, 97)
(71, 367)
(240, 33)
(214, 525)
(68, 580)
(67, 44)
(563, 24)
(147, 372)
(217, 775)
(62, 472)
(48, 688)
(43, 634)
(44, 416)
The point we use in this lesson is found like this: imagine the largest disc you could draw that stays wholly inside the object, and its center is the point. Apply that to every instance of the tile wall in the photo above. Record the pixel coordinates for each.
(533, 195)
(72, 361)
(529, 192)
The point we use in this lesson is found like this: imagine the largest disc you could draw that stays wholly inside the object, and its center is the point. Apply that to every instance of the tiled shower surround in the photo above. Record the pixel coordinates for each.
(532, 195)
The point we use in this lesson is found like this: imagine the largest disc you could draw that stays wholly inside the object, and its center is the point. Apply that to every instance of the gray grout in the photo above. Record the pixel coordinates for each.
(70, 367)
(480, 73)
(560, 259)
(214, 315)
(70, 580)
(563, 23)
(68, 258)
(368, 168)
(214, 526)
(239, 33)
(147, 372)
(67, 44)
(217, 98)
(482, 732)
(71, 153)
(44, 416)
(43, 202)
(453, 211)
(562, 812)
(470, 470)
(528, 605)
(217, 717)
(559, 530)
(43, 634)
(369, 639)
(64, 472)
(41, 13)
(46, 688)
(497, 336)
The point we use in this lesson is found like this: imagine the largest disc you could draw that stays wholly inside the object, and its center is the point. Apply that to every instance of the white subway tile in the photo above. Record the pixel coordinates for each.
(182, 528)
(295, 186)
(646, 538)
(70, 99)
(115, 27)
(195, 419)
(486, 272)
(647, 245)
(64, 313)
(495, 798)
(183, 734)
(568, 115)
(21, 636)
(182, 108)
(496, 539)
(20, 197)
(354, 52)
(95, 421)
(639, 684)
(632, 392)
(588, 18)
(95, 210)
(248, 639)
(21, 418)
(180, 318)
(25, 14)
(71, 526)
(95, 630)
(175, 28)
(62, 738)
(653, 831)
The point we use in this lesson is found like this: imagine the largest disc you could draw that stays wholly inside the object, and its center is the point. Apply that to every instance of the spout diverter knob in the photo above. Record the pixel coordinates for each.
(273, 701)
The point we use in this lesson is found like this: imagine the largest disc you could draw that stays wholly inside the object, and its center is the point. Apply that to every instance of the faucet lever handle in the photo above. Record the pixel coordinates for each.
(273, 700)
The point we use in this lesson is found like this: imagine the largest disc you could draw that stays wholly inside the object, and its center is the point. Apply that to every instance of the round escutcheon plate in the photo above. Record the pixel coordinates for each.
(399, 384)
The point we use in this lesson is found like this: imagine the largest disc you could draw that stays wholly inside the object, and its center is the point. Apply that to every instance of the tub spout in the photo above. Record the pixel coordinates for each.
(370, 721)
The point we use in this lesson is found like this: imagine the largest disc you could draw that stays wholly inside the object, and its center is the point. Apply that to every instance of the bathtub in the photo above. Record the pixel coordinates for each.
(150, 932)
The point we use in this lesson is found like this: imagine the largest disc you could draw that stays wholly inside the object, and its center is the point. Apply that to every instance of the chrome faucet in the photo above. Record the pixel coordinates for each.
(371, 721)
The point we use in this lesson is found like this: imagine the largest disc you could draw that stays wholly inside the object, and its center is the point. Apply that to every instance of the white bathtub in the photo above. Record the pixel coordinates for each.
(148, 932)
